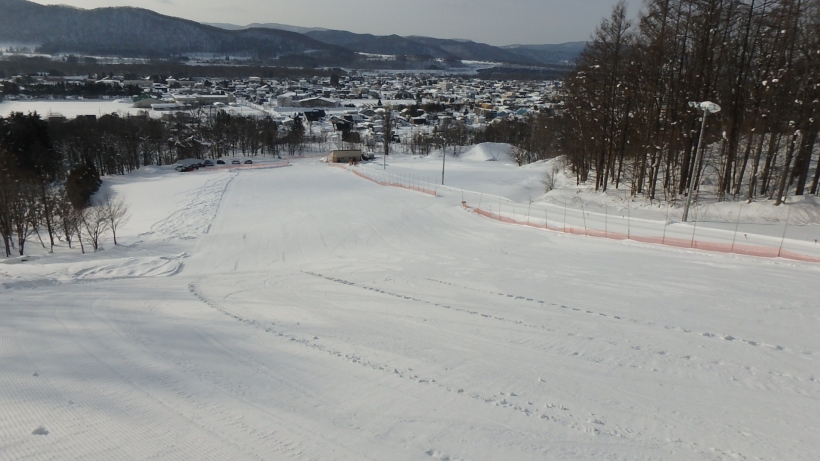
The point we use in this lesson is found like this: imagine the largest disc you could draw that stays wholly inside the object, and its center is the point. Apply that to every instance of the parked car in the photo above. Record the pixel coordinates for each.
(208, 163)
(235, 162)
(368, 156)
(248, 161)
(220, 162)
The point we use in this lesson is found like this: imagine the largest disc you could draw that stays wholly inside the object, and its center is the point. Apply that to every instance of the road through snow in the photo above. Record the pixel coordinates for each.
(317, 316)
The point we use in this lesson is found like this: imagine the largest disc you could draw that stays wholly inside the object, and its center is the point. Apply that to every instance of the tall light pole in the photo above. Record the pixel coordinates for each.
(707, 107)
(443, 158)
(387, 133)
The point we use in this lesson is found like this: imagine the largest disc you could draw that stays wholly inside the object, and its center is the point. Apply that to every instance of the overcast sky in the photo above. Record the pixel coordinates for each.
(497, 22)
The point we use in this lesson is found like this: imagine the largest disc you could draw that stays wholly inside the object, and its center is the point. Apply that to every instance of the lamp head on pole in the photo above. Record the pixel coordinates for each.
(706, 106)
(710, 107)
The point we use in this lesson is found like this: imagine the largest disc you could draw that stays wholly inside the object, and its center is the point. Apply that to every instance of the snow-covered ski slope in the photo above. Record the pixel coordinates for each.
(305, 313)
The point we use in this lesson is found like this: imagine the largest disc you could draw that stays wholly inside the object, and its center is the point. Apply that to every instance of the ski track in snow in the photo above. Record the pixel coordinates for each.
(350, 328)
(551, 412)
(725, 337)
(195, 217)
(645, 349)
(557, 414)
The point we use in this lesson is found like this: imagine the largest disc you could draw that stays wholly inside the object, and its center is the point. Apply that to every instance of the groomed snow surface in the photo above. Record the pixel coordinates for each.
(305, 313)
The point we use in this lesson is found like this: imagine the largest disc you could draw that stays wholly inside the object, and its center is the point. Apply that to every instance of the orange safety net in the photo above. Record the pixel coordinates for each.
(749, 250)
(404, 183)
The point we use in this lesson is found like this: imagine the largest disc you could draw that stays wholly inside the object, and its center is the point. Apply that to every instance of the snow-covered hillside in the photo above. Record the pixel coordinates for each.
(305, 313)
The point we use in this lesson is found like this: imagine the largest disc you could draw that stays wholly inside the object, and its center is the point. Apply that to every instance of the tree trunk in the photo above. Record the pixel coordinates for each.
(755, 167)
(771, 155)
(816, 180)
(803, 162)
(742, 170)
(784, 175)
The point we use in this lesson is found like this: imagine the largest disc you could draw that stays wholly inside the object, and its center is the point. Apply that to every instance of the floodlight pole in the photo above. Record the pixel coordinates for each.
(389, 120)
(443, 157)
(707, 108)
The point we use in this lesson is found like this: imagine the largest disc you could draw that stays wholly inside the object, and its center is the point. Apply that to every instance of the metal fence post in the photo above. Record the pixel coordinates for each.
(737, 224)
(785, 228)
(584, 216)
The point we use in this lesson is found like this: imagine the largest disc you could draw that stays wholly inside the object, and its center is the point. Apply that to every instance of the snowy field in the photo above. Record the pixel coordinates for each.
(68, 108)
(305, 313)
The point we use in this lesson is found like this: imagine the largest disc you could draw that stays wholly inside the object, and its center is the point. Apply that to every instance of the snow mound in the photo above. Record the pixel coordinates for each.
(486, 152)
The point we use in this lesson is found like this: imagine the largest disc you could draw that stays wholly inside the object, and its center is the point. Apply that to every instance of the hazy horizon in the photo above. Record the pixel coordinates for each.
(496, 23)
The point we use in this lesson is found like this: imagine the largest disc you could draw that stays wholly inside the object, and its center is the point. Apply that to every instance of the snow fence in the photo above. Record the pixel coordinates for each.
(616, 226)
(260, 166)
(384, 178)
(675, 241)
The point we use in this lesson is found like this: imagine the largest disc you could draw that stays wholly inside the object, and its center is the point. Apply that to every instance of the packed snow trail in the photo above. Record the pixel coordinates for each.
(318, 316)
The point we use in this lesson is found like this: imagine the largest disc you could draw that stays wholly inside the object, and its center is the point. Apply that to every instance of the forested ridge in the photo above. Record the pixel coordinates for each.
(127, 31)
(138, 32)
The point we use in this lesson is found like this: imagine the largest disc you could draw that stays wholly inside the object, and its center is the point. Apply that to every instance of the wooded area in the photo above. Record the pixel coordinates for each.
(49, 170)
(627, 122)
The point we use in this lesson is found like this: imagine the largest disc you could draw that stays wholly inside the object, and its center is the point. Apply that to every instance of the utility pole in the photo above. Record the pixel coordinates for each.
(707, 107)
(443, 157)
(387, 133)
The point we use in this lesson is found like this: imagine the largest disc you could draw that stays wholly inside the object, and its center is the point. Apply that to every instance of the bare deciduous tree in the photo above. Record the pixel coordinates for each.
(550, 175)
(114, 212)
(518, 154)
(68, 218)
(94, 224)
(387, 134)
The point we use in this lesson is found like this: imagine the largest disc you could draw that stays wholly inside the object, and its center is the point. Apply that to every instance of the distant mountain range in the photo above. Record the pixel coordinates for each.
(435, 47)
(137, 32)
(129, 31)
(549, 54)
(267, 25)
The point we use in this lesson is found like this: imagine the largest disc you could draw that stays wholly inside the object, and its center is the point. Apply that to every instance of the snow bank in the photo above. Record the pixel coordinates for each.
(486, 152)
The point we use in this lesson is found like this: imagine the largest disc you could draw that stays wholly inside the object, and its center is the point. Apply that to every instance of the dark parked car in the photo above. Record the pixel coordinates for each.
(208, 163)
(248, 162)
(220, 162)
(235, 162)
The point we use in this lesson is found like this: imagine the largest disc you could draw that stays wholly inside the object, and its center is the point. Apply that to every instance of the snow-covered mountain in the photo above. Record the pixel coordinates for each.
(435, 47)
(139, 32)
(127, 31)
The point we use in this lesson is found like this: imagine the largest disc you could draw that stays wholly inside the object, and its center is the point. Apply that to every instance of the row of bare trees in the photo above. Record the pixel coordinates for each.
(116, 144)
(226, 134)
(30, 208)
(40, 195)
(626, 119)
(49, 170)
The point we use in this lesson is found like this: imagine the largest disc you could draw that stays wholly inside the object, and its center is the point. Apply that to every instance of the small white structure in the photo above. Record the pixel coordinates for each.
(344, 156)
